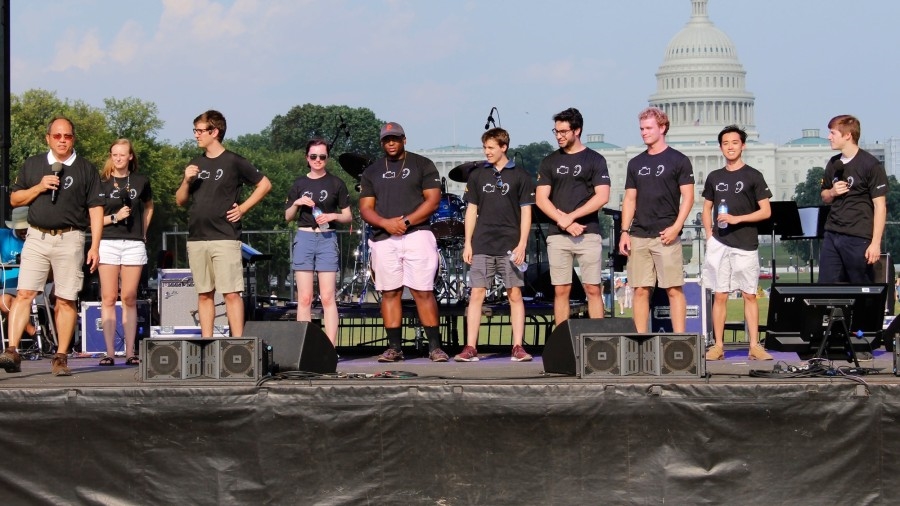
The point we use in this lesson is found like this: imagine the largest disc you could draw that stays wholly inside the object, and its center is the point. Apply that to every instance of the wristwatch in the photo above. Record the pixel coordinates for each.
(406, 222)
(113, 218)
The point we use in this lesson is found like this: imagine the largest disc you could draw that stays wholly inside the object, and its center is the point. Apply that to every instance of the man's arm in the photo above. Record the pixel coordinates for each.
(237, 211)
(873, 252)
(629, 204)
(93, 256)
(706, 217)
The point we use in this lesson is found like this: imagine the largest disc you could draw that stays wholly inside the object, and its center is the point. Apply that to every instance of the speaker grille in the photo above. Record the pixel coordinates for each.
(602, 355)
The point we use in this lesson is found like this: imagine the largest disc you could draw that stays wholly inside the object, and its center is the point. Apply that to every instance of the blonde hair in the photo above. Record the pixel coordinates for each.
(108, 167)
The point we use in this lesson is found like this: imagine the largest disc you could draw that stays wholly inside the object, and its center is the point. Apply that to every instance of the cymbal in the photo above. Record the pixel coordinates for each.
(354, 163)
(460, 173)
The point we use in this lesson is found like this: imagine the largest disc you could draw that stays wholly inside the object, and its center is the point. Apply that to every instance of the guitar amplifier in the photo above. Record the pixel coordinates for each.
(178, 300)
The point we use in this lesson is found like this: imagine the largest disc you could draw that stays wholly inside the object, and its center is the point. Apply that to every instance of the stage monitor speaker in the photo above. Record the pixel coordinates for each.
(891, 334)
(232, 359)
(673, 355)
(884, 273)
(539, 286)
(178, 300)
(563, 350)
(296, 346)
(170, 359)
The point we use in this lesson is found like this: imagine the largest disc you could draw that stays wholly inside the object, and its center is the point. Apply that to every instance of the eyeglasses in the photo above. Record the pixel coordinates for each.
(316, 156)
(198, 131)
(562, 133)
(68, 137)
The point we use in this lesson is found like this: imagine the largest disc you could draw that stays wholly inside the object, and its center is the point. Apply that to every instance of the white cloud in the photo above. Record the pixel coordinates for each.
(77, 51)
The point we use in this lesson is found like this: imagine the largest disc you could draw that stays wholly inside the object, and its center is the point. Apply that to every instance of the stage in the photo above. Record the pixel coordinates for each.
(489, 432)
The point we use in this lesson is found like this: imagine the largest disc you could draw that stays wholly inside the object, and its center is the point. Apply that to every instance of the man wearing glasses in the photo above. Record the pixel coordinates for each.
(498, 221)
(572, 186)
(63, 192)
(213, 181)
(398, 194)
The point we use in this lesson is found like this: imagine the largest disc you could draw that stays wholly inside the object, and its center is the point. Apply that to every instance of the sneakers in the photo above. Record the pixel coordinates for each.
(468, 354)
(519, 354)
(715, 353)
(757, 352)
(10, 360)
(59, 365)
(391, 355)
(438, 355)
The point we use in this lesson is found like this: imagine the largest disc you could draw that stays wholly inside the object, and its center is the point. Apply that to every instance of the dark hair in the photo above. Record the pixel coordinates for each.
(318, 141)
(498, 134)
(733, 129)
(213, 119)
(57, 118)
(573, 117)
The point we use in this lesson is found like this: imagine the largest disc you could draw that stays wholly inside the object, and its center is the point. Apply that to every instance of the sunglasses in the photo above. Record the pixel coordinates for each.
(499, 180)
(315, 156)
(68, 137)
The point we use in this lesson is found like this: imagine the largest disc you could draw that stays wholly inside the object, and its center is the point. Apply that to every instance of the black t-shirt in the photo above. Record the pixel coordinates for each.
(572, 178)
(79, 189)
(742, 190)
(328, 192)
(499, 200)
(658, 180)
(133, 190)
(853, 213)
(214, 192)
(397, 187)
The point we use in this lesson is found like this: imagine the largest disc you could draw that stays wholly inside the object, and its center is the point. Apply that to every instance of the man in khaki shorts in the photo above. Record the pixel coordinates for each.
(572, 186)
(62, 191)
(214, 181)
(659, 193)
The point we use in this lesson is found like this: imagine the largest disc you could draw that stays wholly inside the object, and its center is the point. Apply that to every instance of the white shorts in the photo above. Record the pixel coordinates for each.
(726, 269)
(409, 260)
(122, 252)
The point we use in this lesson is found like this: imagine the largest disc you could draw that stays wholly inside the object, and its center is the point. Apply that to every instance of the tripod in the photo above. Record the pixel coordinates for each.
(362, 280)
(836, 310)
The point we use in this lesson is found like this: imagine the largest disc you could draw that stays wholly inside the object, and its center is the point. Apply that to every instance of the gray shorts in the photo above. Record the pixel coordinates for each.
(315, 251)
(484, 267)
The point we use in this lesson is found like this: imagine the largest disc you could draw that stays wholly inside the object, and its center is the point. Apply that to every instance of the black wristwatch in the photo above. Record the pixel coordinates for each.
(406, 222)
(113, 219)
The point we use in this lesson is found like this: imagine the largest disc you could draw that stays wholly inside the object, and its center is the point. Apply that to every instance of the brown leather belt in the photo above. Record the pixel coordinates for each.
(54, 231)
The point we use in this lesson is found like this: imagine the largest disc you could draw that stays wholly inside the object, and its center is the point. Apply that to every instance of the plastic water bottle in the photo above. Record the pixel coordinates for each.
(316, 212)
(723, 209)
(512, 259)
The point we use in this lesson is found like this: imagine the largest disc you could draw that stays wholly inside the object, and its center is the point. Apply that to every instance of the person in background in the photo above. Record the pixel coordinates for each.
(12, 240)
(315, 250)
(127, 211)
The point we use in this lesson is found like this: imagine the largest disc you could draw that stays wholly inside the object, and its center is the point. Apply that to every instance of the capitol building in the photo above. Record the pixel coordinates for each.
(701, 84)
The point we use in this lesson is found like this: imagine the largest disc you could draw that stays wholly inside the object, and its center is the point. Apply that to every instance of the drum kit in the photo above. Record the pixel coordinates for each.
(448, 225)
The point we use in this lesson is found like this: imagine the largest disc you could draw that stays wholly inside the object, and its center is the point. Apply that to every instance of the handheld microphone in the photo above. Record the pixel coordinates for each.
(56, 168)
(838, 170)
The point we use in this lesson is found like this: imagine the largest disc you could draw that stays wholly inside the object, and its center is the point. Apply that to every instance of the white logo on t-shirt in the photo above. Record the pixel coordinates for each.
(219, 174)
(405, 174)
(323, 194)
(722, 187)
(577, 170)
(660, 169)
(562, 170)
(739, 187)
(204, 174)
(644, 171)
(68, 182)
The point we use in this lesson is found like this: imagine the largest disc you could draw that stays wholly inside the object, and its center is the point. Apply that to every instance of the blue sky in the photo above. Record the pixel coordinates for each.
(438, 67)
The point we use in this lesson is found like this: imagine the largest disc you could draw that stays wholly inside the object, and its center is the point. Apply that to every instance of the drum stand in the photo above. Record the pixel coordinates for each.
(362, 281)
(450, 279)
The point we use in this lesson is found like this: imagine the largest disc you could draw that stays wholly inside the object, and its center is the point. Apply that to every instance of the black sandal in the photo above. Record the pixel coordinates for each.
(107, 361)
(133, 361)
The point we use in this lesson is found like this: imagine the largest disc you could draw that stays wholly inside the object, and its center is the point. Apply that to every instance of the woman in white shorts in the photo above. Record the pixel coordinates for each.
(127, 210)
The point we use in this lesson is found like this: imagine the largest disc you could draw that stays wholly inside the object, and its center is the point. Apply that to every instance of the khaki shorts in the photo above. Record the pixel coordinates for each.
(216, 266)
(726, 269)
(563, 250)
(62, 253)
(651, 263)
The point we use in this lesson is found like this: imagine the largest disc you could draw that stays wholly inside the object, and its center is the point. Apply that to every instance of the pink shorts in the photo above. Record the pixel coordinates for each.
(409, 260)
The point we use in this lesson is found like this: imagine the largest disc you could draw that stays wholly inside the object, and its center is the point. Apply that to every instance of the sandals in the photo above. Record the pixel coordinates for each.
(107, 361)
(133, 361)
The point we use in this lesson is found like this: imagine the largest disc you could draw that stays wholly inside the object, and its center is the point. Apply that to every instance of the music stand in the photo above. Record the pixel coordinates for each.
(784, 221)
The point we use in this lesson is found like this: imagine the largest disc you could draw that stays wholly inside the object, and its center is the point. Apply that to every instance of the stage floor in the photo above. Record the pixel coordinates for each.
(493, 366)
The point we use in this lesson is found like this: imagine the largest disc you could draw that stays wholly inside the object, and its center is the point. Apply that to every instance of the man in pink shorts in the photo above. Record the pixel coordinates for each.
(398, 194)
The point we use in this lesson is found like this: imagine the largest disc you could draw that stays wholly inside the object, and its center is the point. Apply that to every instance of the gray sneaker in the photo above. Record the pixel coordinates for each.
(438, 355)
(391, 355)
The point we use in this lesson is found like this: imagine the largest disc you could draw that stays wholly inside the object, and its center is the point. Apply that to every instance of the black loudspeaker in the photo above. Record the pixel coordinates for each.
(884, 273)
(539, 286)
(296, 346)
(891, 334)
(563, 350)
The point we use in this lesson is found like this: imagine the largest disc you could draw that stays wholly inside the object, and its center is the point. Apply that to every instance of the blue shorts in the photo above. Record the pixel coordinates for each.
(315, 251)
